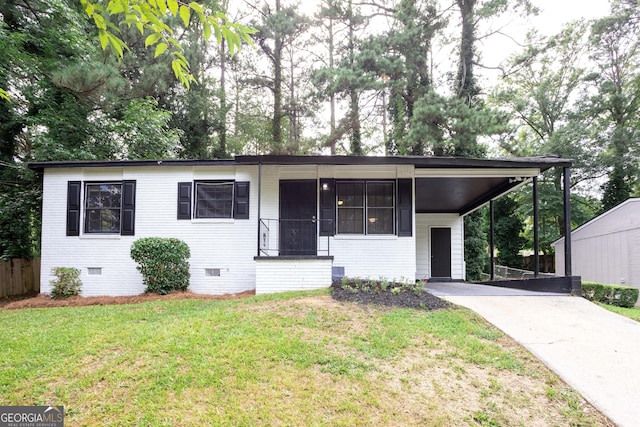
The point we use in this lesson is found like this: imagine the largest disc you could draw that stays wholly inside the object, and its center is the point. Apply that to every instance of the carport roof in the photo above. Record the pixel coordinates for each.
(543, 163)
(442, 184)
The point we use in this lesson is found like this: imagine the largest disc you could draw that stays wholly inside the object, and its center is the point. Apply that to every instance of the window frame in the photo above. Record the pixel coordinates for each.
(87, 208)
(197, 200)
(366, 207)
(392, 208)
(340, 207)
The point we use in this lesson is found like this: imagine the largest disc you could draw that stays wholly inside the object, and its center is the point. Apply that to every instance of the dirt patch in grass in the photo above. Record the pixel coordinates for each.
(43, 301)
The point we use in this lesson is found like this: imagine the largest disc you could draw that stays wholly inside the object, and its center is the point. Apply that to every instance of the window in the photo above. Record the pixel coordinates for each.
(366, 207)
(350, 207)
(214, 200)
(103, 204)
(380, 207)
(108, 208)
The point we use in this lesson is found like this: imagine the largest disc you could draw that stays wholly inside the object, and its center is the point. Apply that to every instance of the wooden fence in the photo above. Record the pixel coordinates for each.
(19, 277)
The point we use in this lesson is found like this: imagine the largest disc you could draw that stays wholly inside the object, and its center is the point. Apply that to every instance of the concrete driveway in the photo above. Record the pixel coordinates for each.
(595, 351)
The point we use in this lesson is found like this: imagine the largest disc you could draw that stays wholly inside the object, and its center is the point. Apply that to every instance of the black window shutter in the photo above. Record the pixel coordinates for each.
(128, 222)
(327, 207)
(241, 200)
(73, 208)
(184, 200)
(404, 207)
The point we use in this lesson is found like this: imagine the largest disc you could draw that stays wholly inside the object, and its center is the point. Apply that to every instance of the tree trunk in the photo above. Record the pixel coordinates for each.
(276, 125)
(332, 105)
(356, 137)
(293, 107)
(465, 79)
(222, 141)
(354, 108)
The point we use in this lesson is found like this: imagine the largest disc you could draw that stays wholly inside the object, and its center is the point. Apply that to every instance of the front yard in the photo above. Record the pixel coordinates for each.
(292, 359)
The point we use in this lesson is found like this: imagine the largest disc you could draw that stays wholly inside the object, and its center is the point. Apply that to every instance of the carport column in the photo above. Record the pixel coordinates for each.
(259, 196)
(491, 241)
(567, 221)
(536, 235)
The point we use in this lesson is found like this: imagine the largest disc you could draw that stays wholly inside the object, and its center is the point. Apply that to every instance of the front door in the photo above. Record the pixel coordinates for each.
(440, 253)
(298, 206)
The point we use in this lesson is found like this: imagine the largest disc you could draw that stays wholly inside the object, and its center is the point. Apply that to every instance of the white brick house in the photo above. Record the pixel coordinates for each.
(269, 223)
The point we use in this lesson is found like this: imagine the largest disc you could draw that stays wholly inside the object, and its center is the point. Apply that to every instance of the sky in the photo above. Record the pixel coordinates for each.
(554, 14)
(557, 12)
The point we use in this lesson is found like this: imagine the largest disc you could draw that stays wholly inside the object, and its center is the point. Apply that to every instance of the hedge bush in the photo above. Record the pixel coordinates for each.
(162, 263)
(621, 296)
(67, 282)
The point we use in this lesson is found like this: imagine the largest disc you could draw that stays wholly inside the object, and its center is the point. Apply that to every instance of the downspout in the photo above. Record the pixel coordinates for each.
(259, 201)
(536, 234)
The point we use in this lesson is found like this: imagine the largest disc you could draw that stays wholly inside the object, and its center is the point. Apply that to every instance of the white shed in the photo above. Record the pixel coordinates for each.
(607, 248)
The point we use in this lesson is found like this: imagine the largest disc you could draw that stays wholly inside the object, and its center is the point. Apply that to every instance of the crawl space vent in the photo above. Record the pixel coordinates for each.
(212, 272)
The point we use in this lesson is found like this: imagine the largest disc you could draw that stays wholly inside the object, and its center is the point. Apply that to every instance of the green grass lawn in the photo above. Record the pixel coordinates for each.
(291, 359)
(632, 313)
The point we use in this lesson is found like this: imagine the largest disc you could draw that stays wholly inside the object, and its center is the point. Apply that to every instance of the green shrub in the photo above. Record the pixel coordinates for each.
(67, 282)
(162, 263)
(621, 296)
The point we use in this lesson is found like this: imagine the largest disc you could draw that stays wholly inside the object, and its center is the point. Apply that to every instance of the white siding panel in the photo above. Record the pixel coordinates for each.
(366, 172)
(634, 259)
(297, 172)
(292, 275)
(270, 209)
(424, 223)
(606, 249)
(621, 218)
(605, 258)
(560, 260)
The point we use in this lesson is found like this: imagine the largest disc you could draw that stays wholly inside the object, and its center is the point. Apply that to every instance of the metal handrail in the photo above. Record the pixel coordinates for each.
(301, 232)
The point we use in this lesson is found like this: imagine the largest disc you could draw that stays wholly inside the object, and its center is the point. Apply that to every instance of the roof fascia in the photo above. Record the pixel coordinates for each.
(39, 166)
(476, 172)
(438, 163)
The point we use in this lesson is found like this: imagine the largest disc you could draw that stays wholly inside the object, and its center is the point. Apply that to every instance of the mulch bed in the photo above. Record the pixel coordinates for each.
(406, 299)
(42, 301)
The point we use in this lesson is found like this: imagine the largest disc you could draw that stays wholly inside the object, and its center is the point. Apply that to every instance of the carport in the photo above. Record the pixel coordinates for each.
(463, 185)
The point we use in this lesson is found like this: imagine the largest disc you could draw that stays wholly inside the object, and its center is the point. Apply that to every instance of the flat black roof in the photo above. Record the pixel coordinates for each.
(543, 163)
